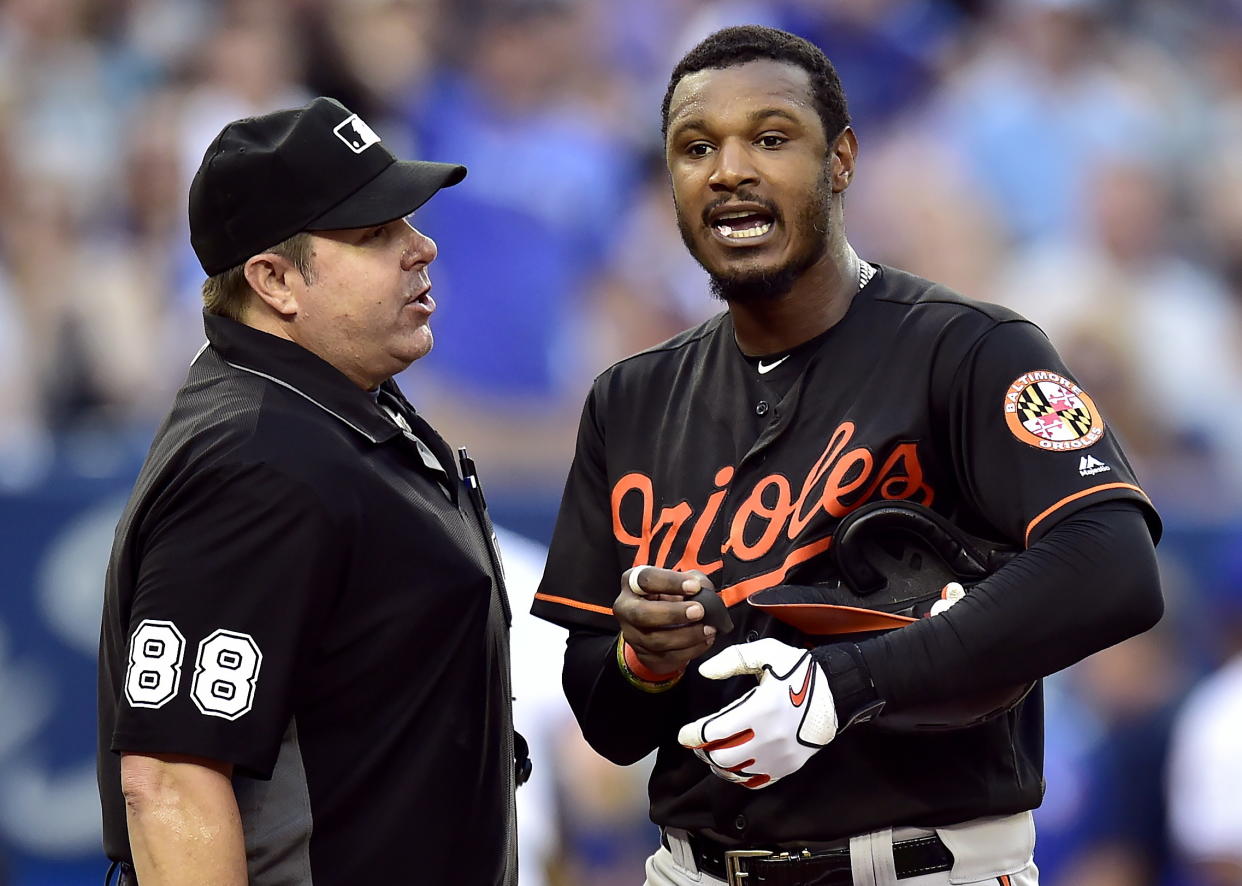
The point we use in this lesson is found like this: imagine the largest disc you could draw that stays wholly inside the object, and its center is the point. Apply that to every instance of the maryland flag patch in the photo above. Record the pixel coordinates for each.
(1048, 411)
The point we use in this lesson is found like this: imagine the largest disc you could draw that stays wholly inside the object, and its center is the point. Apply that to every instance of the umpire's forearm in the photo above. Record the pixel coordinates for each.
(184, 826)
(621, 722)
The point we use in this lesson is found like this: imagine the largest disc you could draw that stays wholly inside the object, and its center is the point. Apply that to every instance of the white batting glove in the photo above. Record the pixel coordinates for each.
(773, 729)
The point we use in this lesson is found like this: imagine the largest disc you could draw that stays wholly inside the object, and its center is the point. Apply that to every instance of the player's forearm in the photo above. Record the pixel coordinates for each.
(618, 720)
(184, 826)
(1090, 582)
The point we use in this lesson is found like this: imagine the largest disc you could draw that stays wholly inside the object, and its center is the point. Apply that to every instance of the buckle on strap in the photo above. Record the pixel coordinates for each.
(733, 860)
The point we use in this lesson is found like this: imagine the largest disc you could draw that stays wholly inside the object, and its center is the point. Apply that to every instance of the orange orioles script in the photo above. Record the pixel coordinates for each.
(840, 480)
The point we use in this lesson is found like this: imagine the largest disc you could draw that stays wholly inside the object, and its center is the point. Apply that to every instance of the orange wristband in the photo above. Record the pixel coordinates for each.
(638, 674)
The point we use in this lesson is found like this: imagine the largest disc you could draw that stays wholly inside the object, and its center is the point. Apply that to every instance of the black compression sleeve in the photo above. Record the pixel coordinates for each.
(1089, 582)
(621, 722)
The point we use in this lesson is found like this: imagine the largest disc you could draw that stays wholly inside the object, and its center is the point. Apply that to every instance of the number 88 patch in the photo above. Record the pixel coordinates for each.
(226, 670)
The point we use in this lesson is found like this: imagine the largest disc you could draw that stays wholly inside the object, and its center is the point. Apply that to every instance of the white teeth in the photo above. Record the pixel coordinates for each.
(745, 233)
(741, 214)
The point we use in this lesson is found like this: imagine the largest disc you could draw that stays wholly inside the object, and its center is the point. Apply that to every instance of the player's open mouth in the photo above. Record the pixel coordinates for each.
(742, 225)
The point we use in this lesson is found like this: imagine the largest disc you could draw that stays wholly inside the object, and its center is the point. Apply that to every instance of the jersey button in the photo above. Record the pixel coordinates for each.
(740, 822)
(752, 636)
(761, 408)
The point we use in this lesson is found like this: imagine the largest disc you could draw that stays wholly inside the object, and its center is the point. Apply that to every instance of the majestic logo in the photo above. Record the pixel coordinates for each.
(773, 513)
(1048, 411)
(1089, 466)
(356, 134)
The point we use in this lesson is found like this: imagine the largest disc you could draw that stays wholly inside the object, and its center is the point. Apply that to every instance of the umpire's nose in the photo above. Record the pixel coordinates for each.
(420, 252)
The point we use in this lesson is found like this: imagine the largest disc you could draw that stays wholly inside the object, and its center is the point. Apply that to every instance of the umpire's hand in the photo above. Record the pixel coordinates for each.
(665, 631)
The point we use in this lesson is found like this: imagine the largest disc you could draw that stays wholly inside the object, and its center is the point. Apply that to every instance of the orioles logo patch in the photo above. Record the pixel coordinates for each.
(1048, 411)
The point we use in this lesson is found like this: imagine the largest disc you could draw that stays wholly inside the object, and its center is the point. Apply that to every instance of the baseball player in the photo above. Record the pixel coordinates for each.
(726, 457)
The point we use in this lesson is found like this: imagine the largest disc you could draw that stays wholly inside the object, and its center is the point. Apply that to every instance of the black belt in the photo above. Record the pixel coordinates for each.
(825, 867)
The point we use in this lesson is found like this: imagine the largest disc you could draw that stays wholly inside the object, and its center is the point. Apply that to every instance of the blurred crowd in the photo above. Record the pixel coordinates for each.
(1077, 160)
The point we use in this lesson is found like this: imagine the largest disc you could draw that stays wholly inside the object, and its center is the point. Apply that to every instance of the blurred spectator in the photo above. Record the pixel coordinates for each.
(651, 288)
(886, 52)
(1040, 101)
(920, 209)
(548, 182)
(1205, 778)
(1142, 326)
(1132, 691)
(374, 55)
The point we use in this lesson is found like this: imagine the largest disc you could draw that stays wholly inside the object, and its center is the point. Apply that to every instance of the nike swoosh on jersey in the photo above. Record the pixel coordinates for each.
(797, 698)
(763, 369)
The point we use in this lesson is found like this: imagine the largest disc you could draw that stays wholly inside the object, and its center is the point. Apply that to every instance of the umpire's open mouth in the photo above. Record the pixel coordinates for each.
(422, 302)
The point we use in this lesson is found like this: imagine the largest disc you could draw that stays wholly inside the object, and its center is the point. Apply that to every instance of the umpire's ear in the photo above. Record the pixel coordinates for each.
(841, 157)
(276, 281)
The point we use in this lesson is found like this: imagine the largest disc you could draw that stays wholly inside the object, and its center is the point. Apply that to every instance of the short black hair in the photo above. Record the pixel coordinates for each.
(746, 43)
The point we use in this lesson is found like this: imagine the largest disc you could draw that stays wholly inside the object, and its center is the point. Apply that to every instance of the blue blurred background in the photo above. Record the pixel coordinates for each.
(1078, 160)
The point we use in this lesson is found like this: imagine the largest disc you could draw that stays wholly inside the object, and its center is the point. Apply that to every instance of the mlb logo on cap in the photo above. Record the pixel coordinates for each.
(265, 178)
(356, 134)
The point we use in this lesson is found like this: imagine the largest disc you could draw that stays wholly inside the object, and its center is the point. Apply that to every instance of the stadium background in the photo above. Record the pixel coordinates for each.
(1079, 160)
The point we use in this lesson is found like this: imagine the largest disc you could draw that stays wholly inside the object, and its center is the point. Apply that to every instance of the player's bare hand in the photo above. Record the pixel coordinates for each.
(664, 629)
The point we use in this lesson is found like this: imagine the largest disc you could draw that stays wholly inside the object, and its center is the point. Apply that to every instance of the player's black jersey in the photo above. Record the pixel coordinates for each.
(690, 457)
(301, 589)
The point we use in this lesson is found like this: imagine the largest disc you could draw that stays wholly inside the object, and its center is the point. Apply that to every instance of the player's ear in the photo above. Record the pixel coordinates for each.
(841, 158)
(274, 279)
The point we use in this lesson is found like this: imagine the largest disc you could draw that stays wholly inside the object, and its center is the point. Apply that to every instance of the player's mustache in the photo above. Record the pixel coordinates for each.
(740, 197)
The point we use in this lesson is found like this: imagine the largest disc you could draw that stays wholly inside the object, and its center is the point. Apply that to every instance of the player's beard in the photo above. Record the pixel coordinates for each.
(811, 220)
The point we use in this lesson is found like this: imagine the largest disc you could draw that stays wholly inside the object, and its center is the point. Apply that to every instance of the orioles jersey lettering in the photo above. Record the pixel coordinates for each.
(769, 511)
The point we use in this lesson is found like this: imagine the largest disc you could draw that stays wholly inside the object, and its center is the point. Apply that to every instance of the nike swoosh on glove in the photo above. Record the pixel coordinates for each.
(773, 729)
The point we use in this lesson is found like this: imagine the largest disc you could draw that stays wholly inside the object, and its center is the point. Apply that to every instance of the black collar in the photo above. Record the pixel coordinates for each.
(292, 366)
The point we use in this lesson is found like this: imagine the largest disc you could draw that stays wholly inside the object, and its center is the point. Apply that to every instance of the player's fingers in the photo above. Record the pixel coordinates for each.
(646, 580)
(747, 658)
(733, 753)
(724, 727)
(734, 777)
(704, 581)
(648, 614)
(949, 595)
(692, 640)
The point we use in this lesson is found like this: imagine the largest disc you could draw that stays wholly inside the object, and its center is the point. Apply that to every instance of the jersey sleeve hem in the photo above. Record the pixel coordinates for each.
(260, 768)
(1078, 500)
(571, 613)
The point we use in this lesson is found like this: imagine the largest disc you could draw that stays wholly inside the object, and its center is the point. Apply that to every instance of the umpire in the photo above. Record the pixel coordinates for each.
(304, 659)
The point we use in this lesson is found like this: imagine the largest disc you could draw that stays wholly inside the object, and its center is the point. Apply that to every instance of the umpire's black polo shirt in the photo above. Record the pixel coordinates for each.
(295, 590)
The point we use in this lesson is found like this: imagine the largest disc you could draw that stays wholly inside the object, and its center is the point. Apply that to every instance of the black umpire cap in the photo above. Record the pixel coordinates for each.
(314, 168)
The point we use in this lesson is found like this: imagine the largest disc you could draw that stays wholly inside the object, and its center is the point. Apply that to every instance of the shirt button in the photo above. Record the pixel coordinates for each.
(761, 408)
(752, 636)
(740, 822)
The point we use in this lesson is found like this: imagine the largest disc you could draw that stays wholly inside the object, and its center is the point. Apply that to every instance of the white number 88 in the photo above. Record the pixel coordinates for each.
(225, 674)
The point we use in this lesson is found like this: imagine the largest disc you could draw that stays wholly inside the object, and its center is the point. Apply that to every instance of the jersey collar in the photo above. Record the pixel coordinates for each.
(292, 366)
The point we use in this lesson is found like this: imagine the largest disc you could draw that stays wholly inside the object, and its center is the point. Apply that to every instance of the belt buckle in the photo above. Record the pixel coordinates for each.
(733, 860)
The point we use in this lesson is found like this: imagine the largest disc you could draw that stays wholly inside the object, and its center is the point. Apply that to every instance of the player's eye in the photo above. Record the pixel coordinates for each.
(698, 149)
(771, 141)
